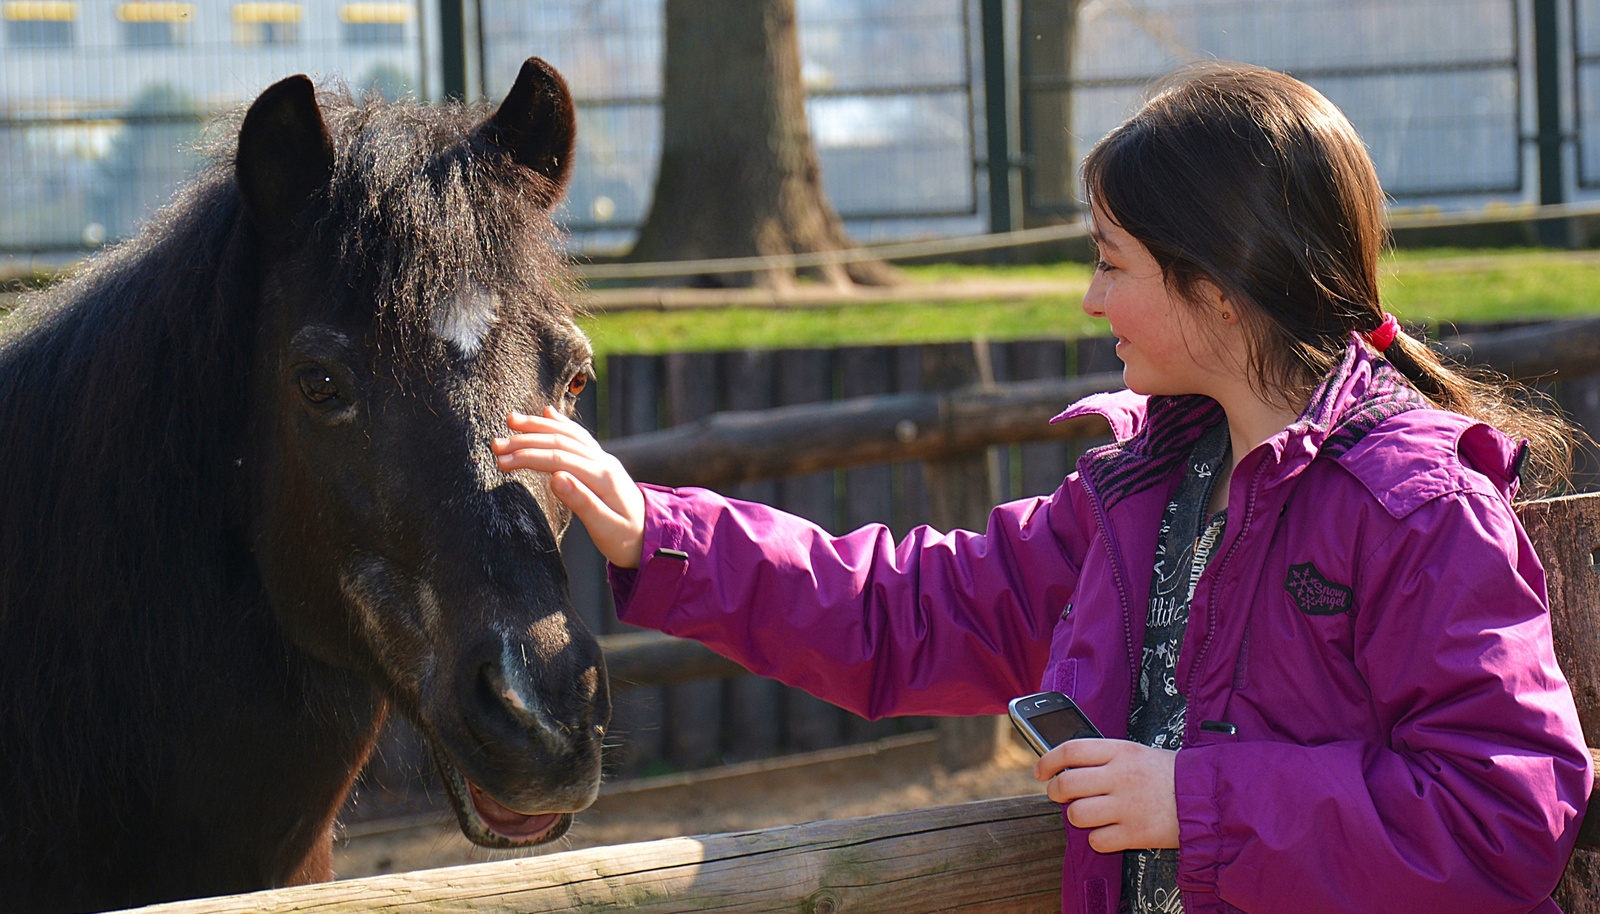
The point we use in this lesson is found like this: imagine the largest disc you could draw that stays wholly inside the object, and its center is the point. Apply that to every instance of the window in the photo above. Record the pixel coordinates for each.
(39, 23)
(267, 23)
(154, 24)
(374, 23)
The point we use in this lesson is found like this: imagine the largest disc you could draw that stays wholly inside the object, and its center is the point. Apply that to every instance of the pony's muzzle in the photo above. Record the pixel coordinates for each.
(502, 690)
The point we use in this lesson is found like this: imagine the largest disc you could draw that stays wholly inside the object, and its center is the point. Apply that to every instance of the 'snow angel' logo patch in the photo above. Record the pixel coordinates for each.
(1314, 594)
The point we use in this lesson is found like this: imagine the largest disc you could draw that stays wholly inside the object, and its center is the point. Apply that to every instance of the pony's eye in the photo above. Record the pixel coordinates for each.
(317, 385)
(578, 383)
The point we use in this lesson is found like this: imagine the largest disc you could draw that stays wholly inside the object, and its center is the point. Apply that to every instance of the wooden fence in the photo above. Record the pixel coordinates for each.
(989, 856)
(859, 434)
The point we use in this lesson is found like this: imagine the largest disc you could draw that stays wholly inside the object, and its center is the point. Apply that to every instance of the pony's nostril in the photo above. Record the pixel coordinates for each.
(495, 691)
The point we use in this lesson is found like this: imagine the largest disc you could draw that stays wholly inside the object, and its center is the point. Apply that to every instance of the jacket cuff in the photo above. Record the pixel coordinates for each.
(1199, 821)
(643, 595)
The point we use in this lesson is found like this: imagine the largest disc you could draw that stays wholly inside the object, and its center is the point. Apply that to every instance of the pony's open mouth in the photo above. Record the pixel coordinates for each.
(489, 823)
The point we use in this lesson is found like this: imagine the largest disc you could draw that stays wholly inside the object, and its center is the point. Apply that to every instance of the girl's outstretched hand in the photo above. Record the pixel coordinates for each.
(586, 479)
(1122, 791)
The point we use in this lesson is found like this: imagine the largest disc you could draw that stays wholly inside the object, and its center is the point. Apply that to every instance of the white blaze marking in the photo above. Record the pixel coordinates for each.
(466, 321)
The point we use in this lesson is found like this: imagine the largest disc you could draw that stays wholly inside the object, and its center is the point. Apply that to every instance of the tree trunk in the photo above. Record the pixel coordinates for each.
(1049, 28)
(739, 176)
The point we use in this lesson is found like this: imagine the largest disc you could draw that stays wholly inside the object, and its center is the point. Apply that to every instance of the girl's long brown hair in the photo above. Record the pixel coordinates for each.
(1252, 181)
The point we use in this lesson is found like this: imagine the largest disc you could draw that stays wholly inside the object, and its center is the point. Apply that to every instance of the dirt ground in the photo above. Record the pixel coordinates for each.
(892, 775)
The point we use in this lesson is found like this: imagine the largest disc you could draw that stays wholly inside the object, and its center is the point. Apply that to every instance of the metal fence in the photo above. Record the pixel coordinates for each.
(1431, 85)
(1586, 89)
(101, 102)
(100, 98)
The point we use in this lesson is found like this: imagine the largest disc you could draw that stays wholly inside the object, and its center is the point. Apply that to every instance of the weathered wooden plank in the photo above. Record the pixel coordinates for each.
(868, 492)
(962, 489)
(1569, 348)
(692, 710)
(806, 376)
(753, 715)
(735, 447)
(1044, 464)
(1580, 399)
(910, 486)
(994, 855)
(633, 408)
(644, 659)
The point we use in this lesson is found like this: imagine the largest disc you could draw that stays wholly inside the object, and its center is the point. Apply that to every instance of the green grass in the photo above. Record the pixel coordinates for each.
(1451, 286)
(863, 324)
(1421, 286)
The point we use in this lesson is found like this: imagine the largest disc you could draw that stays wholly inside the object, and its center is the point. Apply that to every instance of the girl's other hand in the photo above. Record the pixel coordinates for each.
(1122, 791)
(586, 479)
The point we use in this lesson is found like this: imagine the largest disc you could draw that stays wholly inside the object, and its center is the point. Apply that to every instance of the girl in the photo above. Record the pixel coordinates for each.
(1295, 583)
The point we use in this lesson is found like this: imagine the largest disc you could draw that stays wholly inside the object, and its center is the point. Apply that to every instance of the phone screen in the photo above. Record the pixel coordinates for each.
(1061, 725)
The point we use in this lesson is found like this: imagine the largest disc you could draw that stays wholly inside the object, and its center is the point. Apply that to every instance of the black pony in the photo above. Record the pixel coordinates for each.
(247, 505)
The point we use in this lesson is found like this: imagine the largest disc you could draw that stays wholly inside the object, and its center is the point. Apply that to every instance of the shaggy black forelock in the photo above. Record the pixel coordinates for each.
(419, 206)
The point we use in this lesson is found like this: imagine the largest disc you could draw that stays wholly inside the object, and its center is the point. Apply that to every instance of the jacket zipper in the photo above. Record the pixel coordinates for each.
(1116, 575)
(1211, 619)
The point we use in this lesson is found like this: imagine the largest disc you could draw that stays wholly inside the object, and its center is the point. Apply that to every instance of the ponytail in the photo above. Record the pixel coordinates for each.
(1519, 412)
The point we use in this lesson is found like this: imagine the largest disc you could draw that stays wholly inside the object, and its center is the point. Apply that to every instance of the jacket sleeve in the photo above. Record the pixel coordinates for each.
(958, 623)
(1473, 801)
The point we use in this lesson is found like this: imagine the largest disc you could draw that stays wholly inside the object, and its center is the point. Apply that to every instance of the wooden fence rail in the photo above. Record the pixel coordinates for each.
(989, 856)
(733, 447)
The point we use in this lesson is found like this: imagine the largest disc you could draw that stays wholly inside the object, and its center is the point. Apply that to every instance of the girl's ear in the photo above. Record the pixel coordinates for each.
(1216, 302)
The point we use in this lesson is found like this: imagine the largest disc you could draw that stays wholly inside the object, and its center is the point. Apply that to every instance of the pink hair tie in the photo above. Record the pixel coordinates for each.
(1385, 334)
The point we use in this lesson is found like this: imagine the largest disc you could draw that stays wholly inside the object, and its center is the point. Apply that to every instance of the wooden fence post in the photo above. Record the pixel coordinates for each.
(961, 492)
(753, 705)
(1566, 535)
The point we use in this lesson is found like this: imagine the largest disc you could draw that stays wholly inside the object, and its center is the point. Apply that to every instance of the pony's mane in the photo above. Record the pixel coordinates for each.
(122, 413)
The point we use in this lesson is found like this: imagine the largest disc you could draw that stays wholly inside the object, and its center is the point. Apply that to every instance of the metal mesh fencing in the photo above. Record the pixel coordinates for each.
(103, 102)
(1432, 86)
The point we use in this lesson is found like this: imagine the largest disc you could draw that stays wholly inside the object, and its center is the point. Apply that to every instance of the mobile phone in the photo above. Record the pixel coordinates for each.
(1048, 719)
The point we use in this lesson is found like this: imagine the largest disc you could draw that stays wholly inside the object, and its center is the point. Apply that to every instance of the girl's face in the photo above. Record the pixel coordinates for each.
(1160, 340)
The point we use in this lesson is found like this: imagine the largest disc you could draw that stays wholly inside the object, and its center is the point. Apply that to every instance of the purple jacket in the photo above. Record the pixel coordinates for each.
(1374, 626)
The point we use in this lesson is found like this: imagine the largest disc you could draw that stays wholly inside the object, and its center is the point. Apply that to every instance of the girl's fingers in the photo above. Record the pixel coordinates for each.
(548, 460)
(590, 509)
(1112, 838)
(553, 422)
(1093, 812)
(1077, 783)
(604, 478)
(588, 480)
(619, 540)
(546, 434)
(1075, 753)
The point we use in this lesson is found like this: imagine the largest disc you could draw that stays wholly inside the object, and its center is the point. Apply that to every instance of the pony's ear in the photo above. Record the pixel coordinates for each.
(536, 125)
(285, 154)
